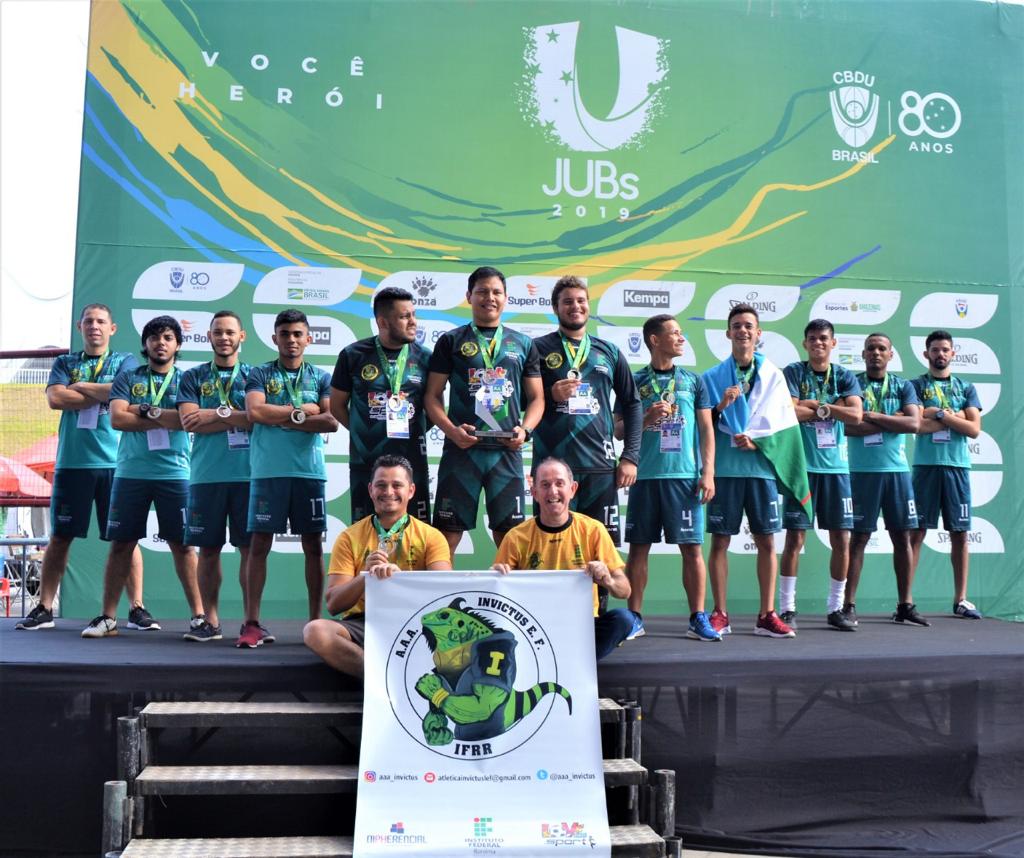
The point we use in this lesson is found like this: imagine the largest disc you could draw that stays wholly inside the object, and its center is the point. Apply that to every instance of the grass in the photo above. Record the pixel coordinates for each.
(26, 418)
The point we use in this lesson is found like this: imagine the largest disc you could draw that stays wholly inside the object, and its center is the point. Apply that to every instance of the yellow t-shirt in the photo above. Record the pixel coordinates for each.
(530, 546)
(420, 546)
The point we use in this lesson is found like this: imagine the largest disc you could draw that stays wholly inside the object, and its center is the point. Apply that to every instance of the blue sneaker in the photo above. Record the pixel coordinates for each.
(967, 610)
(638, 628)
(700, 628)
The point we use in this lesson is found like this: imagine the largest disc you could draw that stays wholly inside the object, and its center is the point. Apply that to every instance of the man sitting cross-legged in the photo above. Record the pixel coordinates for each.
(382, 544)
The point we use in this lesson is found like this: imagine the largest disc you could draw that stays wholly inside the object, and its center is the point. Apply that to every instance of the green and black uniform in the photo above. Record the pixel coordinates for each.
(465, 354)
(584, 441)
(361, 372)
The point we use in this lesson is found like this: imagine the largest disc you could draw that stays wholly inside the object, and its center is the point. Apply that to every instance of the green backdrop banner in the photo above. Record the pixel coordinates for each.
(858, 161)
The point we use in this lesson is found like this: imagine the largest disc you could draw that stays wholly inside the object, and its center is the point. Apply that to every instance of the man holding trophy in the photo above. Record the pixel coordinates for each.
(489, 369)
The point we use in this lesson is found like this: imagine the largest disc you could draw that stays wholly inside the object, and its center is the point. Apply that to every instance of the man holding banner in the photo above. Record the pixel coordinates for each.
(211, 402)
(757, 451)
(377, 394)
(490, 370)
(288, 402)
(382, 544)
(79, 387)
(557, 538)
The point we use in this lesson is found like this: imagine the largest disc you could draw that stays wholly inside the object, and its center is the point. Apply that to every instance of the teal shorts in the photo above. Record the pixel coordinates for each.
(274, 502)
(890, 493)
(669, 506)
(758, 497)
(831, 503)
(217, 510)
(130, 500)
(949, 489)
(463, 474)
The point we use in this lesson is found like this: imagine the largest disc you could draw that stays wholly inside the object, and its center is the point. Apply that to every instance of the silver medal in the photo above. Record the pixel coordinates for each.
(224, 411)
(823, 411)
(668, 397)
(298, 416)
(746, 388)
(395, 403)
(573, 375)
(154, 412)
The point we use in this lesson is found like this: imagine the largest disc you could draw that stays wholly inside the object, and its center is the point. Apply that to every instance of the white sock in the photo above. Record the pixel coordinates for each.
(787, 593)
(836, 591)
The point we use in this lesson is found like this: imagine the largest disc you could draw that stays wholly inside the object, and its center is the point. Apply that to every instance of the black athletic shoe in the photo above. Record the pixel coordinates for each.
(203, 632)
(789, 618)
(38, 618)
(839, 620)
(141, 620)
(907, 615)
(850, 612)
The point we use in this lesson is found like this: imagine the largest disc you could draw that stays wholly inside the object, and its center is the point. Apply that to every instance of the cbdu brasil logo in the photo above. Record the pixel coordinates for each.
(452, 676)
(550, 91)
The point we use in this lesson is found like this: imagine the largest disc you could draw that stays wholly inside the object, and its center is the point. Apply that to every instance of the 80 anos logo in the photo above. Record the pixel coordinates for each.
(473, 675)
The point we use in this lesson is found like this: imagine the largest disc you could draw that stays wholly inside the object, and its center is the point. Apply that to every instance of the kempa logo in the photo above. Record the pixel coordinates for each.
(475, 645)
(854, 107)
(321, 335)
(549, 94)
(644, 298)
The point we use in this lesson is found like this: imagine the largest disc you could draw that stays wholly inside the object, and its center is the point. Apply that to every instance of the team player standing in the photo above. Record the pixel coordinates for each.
(690, 442)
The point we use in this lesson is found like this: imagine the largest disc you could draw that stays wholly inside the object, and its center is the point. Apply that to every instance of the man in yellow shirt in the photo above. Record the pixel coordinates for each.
(560, 539)
(382, 544)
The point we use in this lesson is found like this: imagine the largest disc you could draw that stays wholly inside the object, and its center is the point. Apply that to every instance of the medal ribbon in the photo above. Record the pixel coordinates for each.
(386, 535)
(577, 355)
(874, 397)
(154, 395)
(743, 377)
(654, 382)
(97, 367)
(394, 374)
(489, 351)
(223, 394)
(821, 391)
(940, 391)
(294, 391)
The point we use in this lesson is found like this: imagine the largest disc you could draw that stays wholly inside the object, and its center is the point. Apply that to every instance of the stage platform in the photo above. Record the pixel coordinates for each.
(887, 740)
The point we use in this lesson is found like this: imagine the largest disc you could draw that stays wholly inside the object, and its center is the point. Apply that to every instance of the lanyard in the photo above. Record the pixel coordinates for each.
(577, 355)
(222, 393)
(669, 389)
(821, 391)
(873, 396)
(394, 374)
(940, 391)
(98, 366)
(294, 390)
(489, 351)
(154, 395)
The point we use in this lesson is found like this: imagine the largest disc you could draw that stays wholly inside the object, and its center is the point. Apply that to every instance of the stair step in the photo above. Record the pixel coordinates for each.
(628, 841)
(250, 714)
(278, 780)
(610, 711)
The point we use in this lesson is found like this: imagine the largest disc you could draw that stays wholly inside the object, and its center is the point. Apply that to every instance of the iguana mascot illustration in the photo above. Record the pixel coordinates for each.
(473, 677)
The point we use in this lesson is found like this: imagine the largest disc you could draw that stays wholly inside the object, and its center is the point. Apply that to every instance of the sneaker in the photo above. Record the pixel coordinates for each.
(251, 635)
(967, 610)
(850, 612)
(203, 632)
(267, 636)
(839, 620)
(771, 626)
(102, 627)
(789, 618)
(720, 622)
(38, 618)
(906, 614)
(701, 630)
(142, 620)
(638, 628)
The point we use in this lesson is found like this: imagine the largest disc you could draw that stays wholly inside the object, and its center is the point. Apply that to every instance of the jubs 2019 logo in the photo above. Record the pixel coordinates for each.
(472, 675)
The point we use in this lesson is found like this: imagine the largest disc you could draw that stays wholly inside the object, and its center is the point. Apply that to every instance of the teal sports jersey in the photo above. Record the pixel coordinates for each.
(134, 458)
(280, 451)
(457, 355)
(805, 383)
(358, 372)
(88, 448)
(889, 456)
(691, 395)
(952, 393)
(730, 461)
(585, 440)
(214, 459)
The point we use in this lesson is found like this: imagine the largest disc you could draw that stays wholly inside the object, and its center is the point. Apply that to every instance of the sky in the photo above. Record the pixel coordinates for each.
(42, 89)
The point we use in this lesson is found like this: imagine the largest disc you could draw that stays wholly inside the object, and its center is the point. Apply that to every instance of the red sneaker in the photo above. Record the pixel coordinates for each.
(772, 627)
(720, 622)
(251, 636)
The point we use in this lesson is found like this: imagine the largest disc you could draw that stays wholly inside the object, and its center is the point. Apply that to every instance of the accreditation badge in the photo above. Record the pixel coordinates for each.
(158, 439)
(942, 436)
(582, 401)
(238, 439)
(874, 440)
(398, 415)
(825, 434)
(671, 435)
(88, 418)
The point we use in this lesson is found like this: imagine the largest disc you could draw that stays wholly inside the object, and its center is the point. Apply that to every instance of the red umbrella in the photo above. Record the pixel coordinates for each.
(18, 481)
(41, 456)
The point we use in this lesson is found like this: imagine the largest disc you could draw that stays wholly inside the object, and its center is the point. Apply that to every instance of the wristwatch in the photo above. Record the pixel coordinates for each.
(527, 434)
